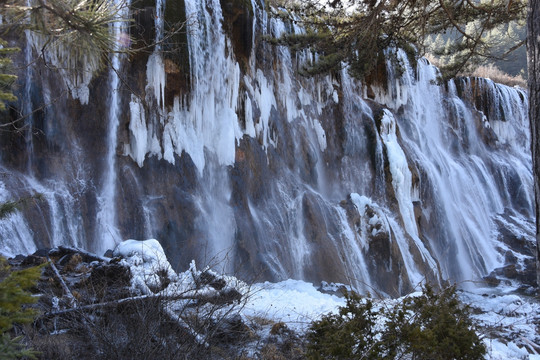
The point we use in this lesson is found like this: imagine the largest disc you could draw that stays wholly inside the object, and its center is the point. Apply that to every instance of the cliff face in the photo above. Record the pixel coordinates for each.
(221, 151)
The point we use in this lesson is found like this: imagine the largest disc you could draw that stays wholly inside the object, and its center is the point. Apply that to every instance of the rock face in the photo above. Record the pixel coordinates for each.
(222, 152)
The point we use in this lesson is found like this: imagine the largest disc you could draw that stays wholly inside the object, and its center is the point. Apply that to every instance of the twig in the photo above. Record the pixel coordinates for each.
(72, 300)
(180, 322)
(87, 254)
(532, 346)
(208, 297)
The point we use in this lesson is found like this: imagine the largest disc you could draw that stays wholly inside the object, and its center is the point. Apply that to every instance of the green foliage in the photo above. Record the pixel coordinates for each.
(433, 325)
(349, 334)
(80, 27)
(6, 79)
(436, 326)
(358, 33)
(75, 32)
(9, 207)
(14, 299)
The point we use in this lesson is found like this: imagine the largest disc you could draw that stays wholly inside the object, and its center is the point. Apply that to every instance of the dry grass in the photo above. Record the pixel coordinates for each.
(487, 71)
(497, 75)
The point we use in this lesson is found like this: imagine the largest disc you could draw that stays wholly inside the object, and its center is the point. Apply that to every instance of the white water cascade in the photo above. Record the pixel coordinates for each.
(274, 175)
(467, 189)
(108, 234)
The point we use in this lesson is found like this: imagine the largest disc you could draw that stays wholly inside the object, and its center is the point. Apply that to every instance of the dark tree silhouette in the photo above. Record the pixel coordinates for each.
(533, 56)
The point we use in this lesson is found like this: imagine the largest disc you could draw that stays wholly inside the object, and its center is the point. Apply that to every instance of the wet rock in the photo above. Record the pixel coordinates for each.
(43, 252)
(208, 278)
(524, 272)
(238, 23)
(18, 258)
(33, 260)
(510, 258)
(251, 173)
(377, 78)
(383, 258)
(509, 271)
(316, 229)
(492, 280)
(334, 289)
(176, 51)
(143, 29)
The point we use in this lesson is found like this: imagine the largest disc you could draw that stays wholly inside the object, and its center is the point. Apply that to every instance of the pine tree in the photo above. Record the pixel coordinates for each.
(434, 325)
(9, 207)
(533, 58)
(14, 301)
(75, 29)
(358, 32)
(6, 79)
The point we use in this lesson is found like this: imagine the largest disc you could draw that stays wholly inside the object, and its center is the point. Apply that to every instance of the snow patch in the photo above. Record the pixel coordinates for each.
(294, 302)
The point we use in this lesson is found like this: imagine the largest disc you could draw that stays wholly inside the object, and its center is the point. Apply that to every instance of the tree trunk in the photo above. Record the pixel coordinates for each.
(533, 60)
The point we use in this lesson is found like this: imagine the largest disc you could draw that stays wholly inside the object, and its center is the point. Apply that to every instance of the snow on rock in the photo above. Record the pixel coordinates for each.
(499, 351)
(141, 250)
(152, 273)
(148, 263)
(334, 288)
(510, 321)
(208, 283)
(376, 218)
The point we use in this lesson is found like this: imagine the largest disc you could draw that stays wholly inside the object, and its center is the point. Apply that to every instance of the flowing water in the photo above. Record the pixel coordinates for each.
(272, 175)
(107, 232)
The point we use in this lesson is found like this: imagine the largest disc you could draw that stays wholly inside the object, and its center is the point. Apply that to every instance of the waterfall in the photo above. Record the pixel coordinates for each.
(108, 234)
(402, 183)
(27, 98)
(14, 229)
(467, 191)
(236, 159)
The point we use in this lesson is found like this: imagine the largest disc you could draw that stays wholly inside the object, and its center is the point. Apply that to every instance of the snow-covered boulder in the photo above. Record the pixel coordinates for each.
(152, 273)
(150, 268)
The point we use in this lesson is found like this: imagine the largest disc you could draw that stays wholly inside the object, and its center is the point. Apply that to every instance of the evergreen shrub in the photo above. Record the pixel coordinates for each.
(14, 301)
(432, 325)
